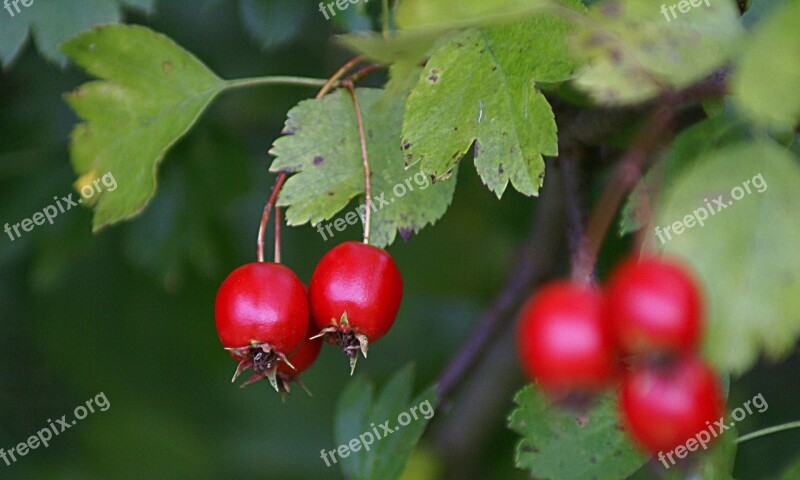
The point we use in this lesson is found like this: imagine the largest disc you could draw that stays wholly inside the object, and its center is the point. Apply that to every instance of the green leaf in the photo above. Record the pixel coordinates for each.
(719, 461)
(558, 444)
(321, 143)
(703, 137)
(792, 472)
(765, 85)
(632, 52)
(411, 46)
(152, 91)
(427, 13)
(715, 462)
(273, 22)
(54, 22)
(480, 88)
(746, 254)
(359, 418)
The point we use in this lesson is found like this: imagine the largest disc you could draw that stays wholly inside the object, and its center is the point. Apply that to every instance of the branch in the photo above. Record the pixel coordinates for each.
(625, 176)
(533, 261)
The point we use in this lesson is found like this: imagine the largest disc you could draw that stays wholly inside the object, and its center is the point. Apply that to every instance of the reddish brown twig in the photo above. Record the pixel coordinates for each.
(625, 176)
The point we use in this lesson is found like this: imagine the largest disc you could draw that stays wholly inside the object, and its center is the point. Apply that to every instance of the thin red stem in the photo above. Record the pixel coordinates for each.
(364, 71)
(364, 157)
(338, 74)
(281, 178)
(277, 234)
(265, 218)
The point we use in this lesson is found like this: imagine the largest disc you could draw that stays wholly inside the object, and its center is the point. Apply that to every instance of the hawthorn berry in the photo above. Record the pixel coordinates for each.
(301, 359)
(261, 316)
(654, 306)
(562, 341)
(664, 405)
(355, 292)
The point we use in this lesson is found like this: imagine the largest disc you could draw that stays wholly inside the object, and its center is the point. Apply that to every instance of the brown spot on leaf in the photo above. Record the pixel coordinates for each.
(166, 65)
(405, 233)
(318, 160)
(500, 169)
(611, 9)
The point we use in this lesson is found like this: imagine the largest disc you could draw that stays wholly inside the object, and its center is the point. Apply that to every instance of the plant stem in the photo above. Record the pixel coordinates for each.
(628, 171)
(363, 72)
(533, 262)
(386, 19)
(348, 84)
(574, 200)
(265, 218)
(277, 234)
(273, 80)
(276, 187)
(768, 431)
(338, 74)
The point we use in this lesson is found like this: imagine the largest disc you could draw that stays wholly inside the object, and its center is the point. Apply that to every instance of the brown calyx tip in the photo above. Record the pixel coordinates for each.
(348, 339)
(263, 359)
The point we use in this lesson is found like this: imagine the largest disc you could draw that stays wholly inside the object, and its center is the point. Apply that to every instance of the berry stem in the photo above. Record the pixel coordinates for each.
(348, 84)
(276, 187)
(338, 74)
(277, 234)
(265, 218)
(768, 431)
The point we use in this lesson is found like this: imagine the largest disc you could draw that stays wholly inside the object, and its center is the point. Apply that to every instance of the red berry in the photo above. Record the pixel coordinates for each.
(654, 305)
(355, 292)
(262, 315)
(562, 342)
(301, 360)
(664, 406)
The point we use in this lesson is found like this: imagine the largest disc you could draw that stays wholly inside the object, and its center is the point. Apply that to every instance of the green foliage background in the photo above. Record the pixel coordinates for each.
(129, 311)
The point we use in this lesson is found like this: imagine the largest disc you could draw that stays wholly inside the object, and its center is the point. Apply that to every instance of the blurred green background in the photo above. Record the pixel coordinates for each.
(129, 312)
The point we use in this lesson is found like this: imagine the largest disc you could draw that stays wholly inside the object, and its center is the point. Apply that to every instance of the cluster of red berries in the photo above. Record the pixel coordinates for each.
(573, 337)
(271, 323)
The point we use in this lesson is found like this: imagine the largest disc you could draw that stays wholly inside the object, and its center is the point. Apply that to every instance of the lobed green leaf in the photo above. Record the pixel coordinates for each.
(150, 93)
(744, 252)
(558, 444)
